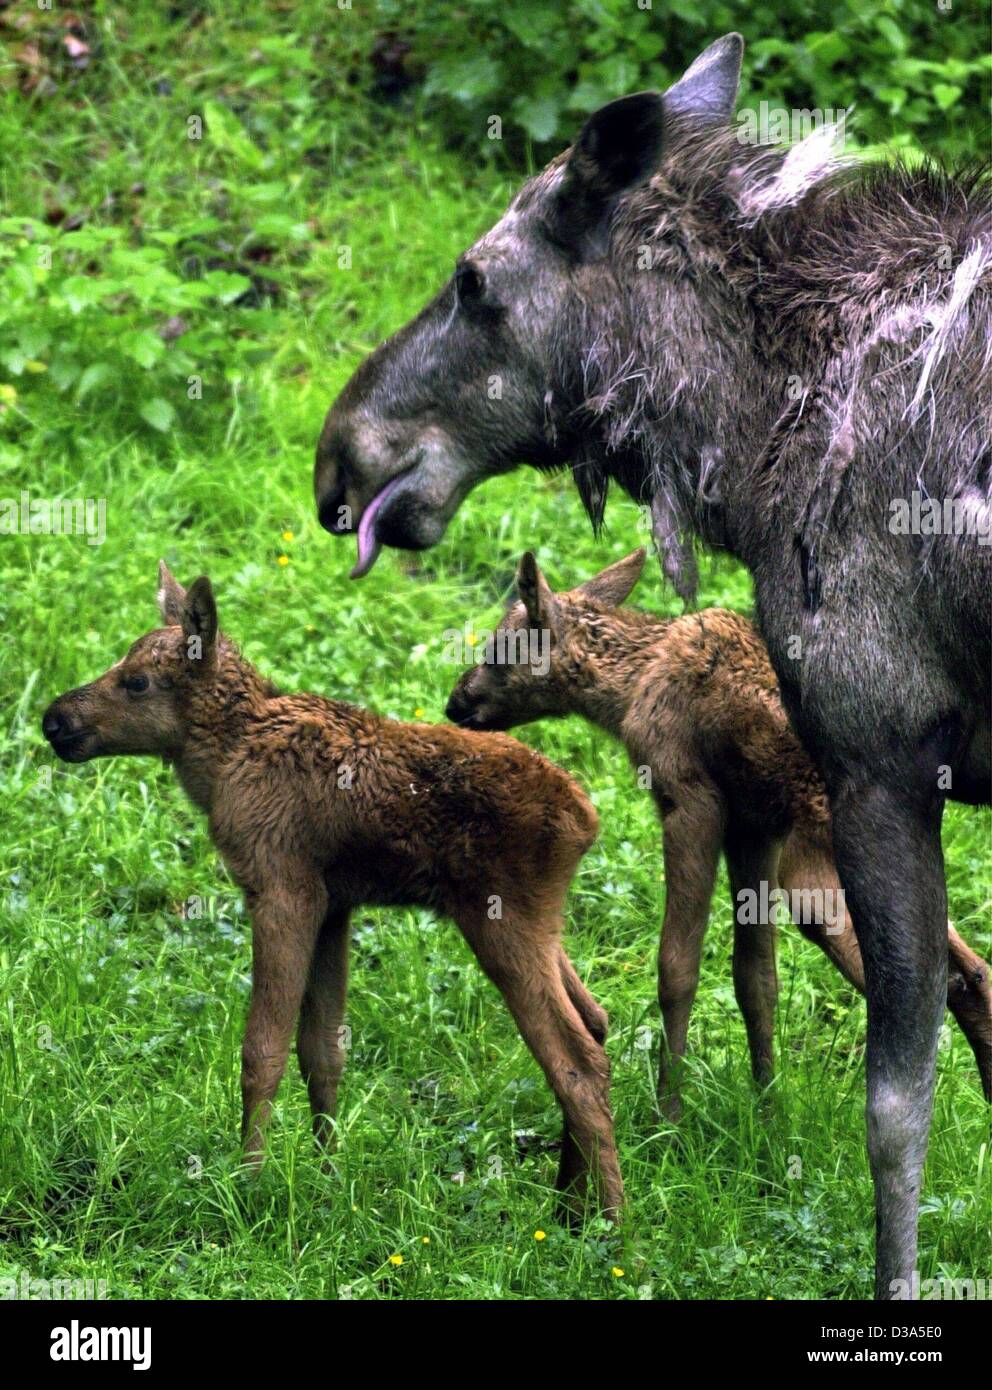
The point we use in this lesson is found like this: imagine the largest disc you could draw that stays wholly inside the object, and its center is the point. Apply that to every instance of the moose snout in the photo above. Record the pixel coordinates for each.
(329, 492)
(458, 708)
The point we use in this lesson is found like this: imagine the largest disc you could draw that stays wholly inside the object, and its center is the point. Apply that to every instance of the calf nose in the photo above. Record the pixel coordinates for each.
(52, 723)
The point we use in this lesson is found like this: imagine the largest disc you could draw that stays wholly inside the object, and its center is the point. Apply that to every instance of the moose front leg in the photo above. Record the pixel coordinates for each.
(285, 921)
(887, 845)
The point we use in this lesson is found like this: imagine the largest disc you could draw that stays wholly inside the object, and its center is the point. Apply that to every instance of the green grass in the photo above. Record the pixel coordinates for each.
(120, 1021)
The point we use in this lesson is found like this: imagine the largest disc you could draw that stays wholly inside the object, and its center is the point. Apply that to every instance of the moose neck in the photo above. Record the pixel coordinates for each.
(221, 706)
(608, 652)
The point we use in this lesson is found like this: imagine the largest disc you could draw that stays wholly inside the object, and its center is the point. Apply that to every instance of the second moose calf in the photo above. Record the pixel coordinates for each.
(318, 807)
(695, 701)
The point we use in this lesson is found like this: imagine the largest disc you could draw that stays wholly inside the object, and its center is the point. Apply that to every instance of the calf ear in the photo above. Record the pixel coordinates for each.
(199, 620)
(171, 597)
(612, 585)
(618, 147)
(709, 86)
(536, 596)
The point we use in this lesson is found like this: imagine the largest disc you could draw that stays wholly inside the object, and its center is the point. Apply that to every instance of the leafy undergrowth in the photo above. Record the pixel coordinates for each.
(264, 259)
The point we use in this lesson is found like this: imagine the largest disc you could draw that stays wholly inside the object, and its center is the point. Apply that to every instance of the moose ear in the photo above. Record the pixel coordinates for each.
(618, 147)
(709, 86)
(612, 585)
(171, 596)
(199, 618)
(537, 597)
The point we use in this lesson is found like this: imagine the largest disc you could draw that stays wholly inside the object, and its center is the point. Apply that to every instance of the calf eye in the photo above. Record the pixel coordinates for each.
(135, 684)
(469, 282)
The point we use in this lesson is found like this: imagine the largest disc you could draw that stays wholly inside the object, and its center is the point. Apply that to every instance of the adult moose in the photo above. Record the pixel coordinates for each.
(775, 352)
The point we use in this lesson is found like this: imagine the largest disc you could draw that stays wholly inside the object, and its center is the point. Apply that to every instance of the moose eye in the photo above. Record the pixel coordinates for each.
(135, 684)
(469, 282)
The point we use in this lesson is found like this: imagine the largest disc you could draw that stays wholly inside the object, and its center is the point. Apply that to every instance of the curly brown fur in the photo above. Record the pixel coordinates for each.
(318, 807)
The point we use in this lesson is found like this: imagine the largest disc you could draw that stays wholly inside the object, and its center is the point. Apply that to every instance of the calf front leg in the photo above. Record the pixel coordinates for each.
(888, 852)
(285, 919)
(321, 1043)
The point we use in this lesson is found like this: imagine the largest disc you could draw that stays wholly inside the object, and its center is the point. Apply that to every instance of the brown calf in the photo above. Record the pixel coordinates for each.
(696, 703)
(318, 807)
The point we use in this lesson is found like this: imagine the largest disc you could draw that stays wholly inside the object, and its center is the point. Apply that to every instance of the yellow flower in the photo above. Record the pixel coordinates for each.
(540, 1235)
(617, 1272)
(284, 559)
(425, 1240)
(8, 393)
(396, 1259)
(418, 714)
(287, 535)
(471, 638)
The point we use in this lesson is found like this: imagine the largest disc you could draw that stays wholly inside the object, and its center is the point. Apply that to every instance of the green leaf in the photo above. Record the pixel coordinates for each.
(95, 375)
(143, 346)
(81, 291)
(890, 30)
(538, 116)
(157, 412)
(226, 286)
(945, 94)
(63, 371)
(466, 79)
(226, 132)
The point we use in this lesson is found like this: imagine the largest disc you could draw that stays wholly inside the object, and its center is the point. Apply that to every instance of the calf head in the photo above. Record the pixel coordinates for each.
(535, 659)
(140, 704)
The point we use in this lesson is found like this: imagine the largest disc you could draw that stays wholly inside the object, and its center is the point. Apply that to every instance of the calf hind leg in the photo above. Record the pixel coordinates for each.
(693, 828)
(595, 1018)
(752, 864)
(321, 1042)
(969, 997)
(523, 958)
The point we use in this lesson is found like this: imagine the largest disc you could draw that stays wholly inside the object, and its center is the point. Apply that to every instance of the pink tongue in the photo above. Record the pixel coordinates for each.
(368, 545)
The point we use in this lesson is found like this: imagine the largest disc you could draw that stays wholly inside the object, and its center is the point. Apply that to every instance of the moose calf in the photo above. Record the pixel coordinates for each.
(318, 807)
(695, 701)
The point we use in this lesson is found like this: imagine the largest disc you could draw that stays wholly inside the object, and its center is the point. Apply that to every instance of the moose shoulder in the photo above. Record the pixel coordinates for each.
(787, 355)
